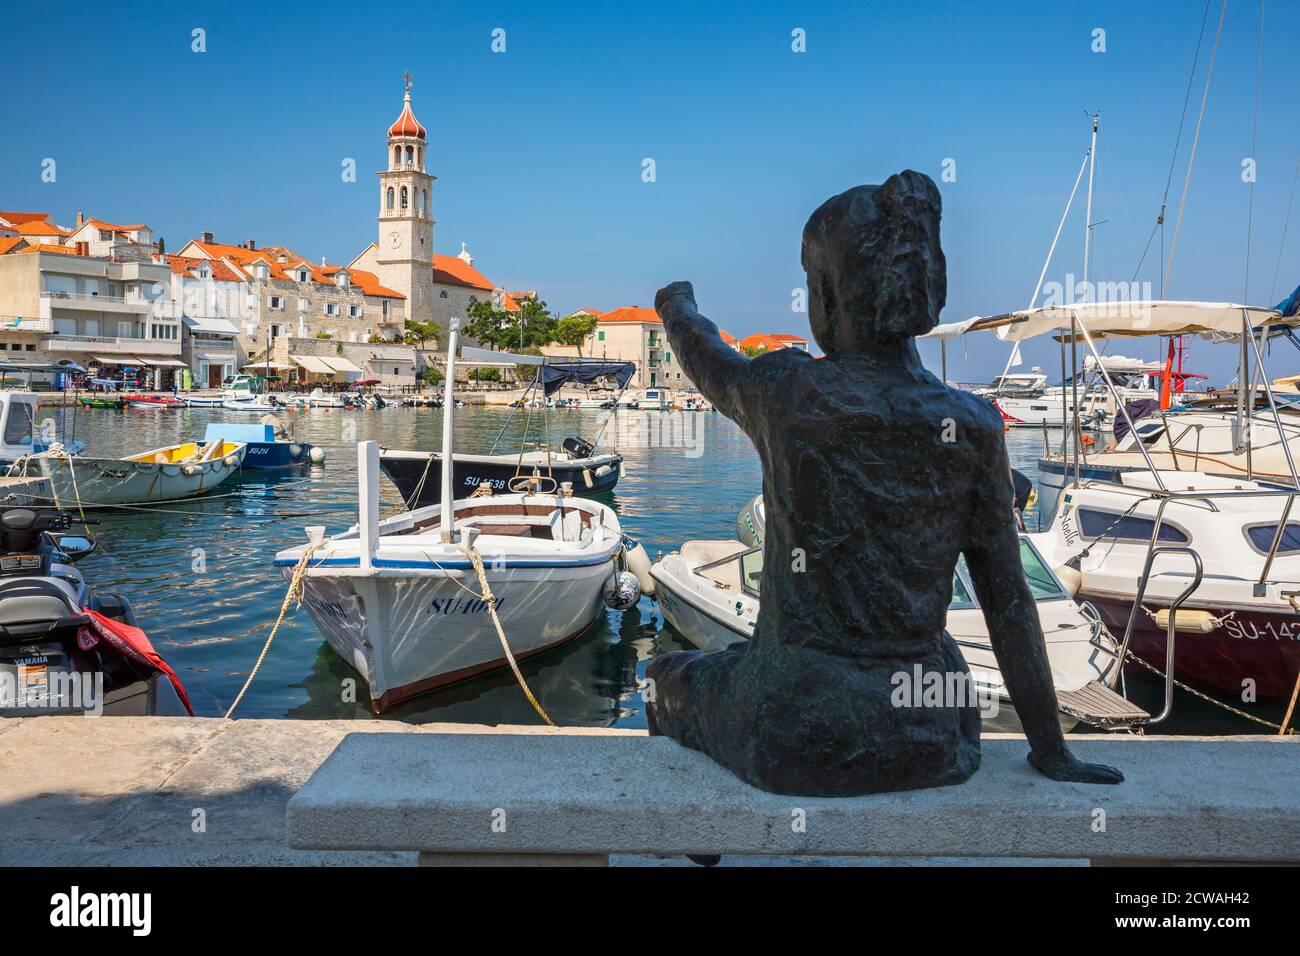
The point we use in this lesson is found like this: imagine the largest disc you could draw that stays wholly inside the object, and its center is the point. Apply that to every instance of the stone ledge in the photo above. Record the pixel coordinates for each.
(1185, 799)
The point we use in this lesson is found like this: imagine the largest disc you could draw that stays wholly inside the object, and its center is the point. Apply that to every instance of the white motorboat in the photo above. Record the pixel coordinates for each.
(654, 400)
(401, 600)
(709, 593)
(1218, 565)
(316, 398)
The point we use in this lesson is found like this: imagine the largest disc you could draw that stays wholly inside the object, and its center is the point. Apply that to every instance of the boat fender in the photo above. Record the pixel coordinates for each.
(602, 471)
(1191, 621)
(317, 455)
(638, 562)
(1071, 578)
(586, 476)
(232, 461)
(295, 451)
(623, 591)
(188, 470)
(622, 470)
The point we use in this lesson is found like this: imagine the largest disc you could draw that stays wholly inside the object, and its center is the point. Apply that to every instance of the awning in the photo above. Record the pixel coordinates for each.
(161, 362)
(262, 366)
(214, 326)
(117, 360)
(312, 364)
(341, 364)
(553, 375)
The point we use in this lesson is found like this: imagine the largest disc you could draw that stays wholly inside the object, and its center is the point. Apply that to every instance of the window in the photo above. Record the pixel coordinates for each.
(960, 593)
(124, 330)
(92, 326)
(600, 336)
(303, 275)
(277, 303)
(751, 570)
(331, 308)
(442, 294)
(1261, 537)
(1042, 583)
(1095, 524)
(275, 331)
(405, 198)
(354, 311)
(18, 427)
(389, 198)
(384, 306)
(668, 357)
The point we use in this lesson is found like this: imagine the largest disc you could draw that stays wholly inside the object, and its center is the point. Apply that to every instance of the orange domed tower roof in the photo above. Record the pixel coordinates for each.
(406, 124)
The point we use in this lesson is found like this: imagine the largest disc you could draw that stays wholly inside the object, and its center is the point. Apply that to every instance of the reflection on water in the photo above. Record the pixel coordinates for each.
(199, 572)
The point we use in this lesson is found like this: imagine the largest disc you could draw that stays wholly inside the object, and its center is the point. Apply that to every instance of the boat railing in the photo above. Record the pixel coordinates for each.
(1155, 549)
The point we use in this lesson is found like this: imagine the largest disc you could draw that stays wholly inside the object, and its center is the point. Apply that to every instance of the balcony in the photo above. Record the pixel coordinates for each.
(110, 345)
(22, 323)
(90, 302)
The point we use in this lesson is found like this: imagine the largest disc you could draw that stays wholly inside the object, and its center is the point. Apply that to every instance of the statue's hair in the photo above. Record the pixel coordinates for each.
(876, 271)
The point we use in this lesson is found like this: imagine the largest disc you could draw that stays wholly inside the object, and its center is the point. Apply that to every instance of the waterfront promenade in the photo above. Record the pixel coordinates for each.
(207, 791)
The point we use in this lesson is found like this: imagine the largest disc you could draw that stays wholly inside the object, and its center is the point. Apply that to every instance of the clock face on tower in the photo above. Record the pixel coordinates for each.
(395, 240)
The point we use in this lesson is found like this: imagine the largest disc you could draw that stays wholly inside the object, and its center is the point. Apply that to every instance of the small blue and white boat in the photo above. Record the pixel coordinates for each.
(266, 448)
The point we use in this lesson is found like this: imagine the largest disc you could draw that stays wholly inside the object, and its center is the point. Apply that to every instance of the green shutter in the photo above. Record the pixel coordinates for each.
(600, 335)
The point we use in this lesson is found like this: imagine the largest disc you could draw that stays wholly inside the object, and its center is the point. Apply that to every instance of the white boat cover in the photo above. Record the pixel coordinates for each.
(1136, 318)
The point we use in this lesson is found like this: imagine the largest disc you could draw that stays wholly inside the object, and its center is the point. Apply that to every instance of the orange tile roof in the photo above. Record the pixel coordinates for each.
(632, 313)
(221, 271)
(787, 337)
(36, 227)
(453, 270)
(727, 336)
(19, 217)
(367, 282)
(594, 312)
(100, 224)
(762, 340)
(47, 247)
(8, 244)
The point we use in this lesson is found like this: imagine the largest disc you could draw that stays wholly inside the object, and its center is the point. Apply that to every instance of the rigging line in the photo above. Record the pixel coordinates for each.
(1254, 154)
(1173, 158)
(1285, 225)
(1191, 158)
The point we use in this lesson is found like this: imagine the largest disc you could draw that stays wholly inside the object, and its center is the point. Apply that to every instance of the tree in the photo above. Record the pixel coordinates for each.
(420, 333)
(753, 351)
(484, 374)
(529, 327)
(432, 375)
(575, 330)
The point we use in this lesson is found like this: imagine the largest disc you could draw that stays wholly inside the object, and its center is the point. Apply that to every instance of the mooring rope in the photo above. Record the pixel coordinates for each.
(293, 595)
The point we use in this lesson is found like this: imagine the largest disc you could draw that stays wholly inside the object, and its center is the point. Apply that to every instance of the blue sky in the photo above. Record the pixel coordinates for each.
(538, 151)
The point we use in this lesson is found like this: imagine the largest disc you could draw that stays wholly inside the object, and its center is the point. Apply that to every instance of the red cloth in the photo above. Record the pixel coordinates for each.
(1167, 377)
(134, 643)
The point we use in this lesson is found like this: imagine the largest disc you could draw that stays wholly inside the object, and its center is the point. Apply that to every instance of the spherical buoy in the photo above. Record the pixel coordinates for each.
(317, 455)
(623, 591)
(189, 470)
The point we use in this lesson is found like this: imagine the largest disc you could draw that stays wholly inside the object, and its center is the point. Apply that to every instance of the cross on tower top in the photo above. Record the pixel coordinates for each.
(407, 77)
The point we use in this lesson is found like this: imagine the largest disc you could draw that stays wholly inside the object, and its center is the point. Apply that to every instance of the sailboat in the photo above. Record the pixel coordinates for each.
(402, 599)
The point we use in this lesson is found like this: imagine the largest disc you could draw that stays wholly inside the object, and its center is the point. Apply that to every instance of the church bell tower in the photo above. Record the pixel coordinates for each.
(405, 256)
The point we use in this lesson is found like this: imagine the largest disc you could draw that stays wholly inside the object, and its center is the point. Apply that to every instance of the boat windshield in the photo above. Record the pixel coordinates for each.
(1042, 583)
(751, 570)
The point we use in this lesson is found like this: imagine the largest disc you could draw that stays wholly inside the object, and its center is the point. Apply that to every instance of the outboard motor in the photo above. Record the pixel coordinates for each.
(578, 447)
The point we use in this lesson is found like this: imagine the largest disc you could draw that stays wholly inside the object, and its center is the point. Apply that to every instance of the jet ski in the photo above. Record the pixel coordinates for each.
(65, 649)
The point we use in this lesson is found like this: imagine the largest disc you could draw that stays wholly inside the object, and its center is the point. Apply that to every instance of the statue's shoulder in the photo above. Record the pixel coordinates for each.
(975, 411)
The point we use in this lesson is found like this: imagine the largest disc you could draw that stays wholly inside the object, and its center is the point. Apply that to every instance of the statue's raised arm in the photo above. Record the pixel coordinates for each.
(715, 367)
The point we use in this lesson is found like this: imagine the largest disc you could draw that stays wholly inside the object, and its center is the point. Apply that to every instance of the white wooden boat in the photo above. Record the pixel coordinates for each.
(400, 599)
(709, 593)
(160, 474)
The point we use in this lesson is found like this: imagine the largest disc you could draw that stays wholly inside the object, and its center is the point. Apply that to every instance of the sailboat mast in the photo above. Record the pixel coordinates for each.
(1074, 324)
(448, 410)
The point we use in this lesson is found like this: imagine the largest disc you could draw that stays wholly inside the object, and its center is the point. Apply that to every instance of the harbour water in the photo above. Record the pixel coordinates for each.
(200, 576)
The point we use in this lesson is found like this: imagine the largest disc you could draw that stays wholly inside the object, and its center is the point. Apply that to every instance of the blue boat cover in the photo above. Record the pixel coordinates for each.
(553, 375)
(245, 434)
